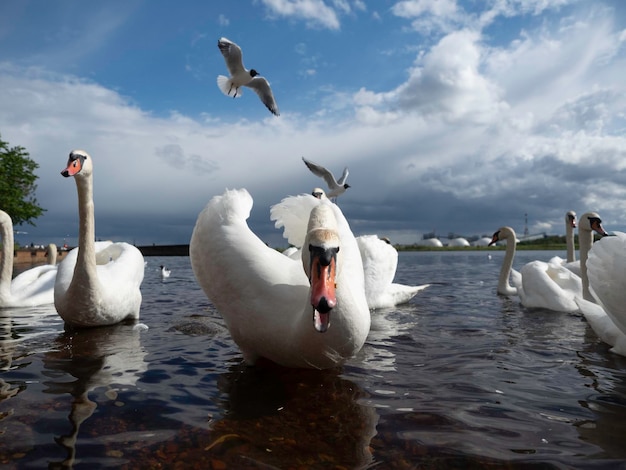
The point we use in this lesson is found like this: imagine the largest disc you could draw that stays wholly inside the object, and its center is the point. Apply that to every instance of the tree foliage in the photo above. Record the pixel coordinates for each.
(17, 184)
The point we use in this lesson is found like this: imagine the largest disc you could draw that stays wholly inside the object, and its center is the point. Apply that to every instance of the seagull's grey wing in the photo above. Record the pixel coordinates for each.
(344, 176)
(322, 172)
(232, 55)
(262, 88)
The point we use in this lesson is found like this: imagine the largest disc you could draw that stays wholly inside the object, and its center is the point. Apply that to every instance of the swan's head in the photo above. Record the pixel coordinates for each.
(503, 233)
(318, 193)
(321, 259)
(590, 221)
(570, 219)
(79, 162)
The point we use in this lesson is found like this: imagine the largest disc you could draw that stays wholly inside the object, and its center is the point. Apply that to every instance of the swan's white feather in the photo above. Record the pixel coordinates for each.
(606, 268)
(380, 261)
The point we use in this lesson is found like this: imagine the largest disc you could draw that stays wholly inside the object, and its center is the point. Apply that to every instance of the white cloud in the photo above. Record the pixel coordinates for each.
(315, 12)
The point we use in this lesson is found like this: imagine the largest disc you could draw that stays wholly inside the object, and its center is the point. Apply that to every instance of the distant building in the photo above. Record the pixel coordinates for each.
(456, 242)
(484, 241)
(432, 242)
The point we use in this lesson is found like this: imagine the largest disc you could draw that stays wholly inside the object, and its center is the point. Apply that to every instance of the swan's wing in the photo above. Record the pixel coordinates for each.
(380, 261)
(232, 56)
(225, 254)
(31, 276)
(606, 269)
(254, 287)
(322, 172)
(120, 268)
(540, 290)
(599, 321)
(292, 214)
(262, 88)
(564, 277)
(34, 286)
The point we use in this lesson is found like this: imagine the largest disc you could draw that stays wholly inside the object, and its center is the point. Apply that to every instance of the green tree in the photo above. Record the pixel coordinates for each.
(17, 184)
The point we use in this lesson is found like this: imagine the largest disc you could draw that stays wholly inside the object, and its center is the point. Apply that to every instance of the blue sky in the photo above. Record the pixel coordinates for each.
(452, 116)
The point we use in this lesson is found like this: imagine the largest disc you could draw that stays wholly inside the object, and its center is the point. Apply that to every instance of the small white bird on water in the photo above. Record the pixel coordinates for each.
(336, 187)
(240, 76)
(165, 273)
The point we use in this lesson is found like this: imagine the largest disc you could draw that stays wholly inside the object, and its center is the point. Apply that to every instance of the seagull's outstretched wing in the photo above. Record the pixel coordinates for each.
(232, 55)
(344, 176)
(262, 88)
(322, 172)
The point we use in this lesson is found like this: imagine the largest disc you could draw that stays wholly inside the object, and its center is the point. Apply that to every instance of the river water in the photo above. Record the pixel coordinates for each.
(457, 378)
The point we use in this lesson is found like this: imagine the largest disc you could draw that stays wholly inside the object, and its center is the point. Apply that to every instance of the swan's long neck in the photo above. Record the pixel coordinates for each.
(503, 282)
(569, 239)
(6, 264)
(585, 241)
(85, 269)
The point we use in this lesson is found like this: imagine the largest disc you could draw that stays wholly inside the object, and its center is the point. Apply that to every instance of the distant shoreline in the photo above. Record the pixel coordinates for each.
(35, 257)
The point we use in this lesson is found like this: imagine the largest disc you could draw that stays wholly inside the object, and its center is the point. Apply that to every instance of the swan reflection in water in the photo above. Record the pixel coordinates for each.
(7, 348)
(109, 357)
(283, 417)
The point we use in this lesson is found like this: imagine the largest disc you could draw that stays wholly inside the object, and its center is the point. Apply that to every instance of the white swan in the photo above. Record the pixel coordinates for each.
(51, 254)
(546, 285)
(98, 282)
(380, 261)
(309, 313)
(570, 225)
(570, 262)
(606, 271)
(31, 288)
(165, 273)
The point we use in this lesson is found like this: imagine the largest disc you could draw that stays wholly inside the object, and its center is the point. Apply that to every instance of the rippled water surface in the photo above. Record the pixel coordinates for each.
(457, 378)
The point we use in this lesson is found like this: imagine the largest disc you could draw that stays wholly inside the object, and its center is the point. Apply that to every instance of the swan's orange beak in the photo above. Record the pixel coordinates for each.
(323, 273)
(74, 165)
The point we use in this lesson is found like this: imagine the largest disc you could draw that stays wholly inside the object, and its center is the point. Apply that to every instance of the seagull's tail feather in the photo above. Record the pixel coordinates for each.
(225, 84)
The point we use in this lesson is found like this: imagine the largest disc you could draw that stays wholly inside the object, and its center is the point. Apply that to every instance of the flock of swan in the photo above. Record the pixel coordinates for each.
(592, 286)
(309, 306)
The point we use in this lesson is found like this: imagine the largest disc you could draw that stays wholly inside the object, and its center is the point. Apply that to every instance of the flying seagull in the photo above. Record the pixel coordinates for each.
(240, 76)
(335, 187)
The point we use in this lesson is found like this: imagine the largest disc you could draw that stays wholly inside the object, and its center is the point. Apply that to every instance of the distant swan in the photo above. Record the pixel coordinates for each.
(31, 288)
(98, 282)
(570, 263)
(165, 273)
(606, 270)
(309, 313)
(570, 225)
(51, 254)
(546, 285)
